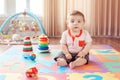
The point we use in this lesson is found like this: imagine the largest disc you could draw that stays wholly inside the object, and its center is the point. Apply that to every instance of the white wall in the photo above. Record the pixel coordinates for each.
(10, 7)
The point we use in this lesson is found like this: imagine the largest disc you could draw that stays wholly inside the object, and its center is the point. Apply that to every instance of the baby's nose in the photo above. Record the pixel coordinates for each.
(75, 22)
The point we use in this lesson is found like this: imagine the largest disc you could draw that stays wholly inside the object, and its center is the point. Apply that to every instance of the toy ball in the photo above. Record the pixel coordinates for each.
(33, 56)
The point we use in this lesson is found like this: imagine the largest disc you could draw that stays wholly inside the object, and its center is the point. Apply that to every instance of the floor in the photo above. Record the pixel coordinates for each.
(104, 64)
(114, 42)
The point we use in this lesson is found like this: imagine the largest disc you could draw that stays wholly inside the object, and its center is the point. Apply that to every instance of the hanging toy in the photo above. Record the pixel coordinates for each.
(1, 36)
(24, 13)
(35, 26)
(13, 30)
(26, 27)
(16, 37)
(21, 26)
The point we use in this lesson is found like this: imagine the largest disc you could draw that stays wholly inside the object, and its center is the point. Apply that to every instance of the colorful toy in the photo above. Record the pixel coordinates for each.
(33, 56)
(32, 72)
(27, 49)
(35, 37)
(6, 36)
(14, 24)
(21, 26)
(39, 25)
(1, 36)
(35, 26)
(43, 43)
(16, 37)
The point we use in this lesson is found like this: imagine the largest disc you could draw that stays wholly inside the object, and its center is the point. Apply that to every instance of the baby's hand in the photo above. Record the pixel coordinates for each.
(68, 56)
(81, 54)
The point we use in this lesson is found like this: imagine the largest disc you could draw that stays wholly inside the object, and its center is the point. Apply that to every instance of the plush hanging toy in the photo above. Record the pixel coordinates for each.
(35, 26)
(16, 37)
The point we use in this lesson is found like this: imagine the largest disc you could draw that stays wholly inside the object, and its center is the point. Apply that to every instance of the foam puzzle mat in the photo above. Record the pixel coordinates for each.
(104, 64)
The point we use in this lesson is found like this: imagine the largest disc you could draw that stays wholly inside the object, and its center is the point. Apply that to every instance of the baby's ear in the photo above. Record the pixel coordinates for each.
(83, 22)
(68, 28)
(66, 22)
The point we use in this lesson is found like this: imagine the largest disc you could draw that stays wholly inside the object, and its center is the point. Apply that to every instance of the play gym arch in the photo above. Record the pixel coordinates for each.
(22, 13)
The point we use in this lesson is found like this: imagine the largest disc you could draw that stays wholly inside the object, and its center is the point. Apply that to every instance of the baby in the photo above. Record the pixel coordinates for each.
(75, 42)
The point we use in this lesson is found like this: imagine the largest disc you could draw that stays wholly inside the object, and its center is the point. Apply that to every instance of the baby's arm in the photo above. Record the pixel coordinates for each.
(65, 51)
(85, 50)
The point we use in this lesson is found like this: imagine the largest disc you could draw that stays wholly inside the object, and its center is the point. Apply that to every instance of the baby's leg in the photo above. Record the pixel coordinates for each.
(78, 62)
(61, 59)
(61, 62)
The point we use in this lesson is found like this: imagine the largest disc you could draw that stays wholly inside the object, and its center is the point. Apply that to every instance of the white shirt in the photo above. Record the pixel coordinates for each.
(75, 44)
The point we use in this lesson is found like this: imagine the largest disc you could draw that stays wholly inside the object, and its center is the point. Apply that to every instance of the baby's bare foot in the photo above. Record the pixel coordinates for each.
(61, 62)
(72, 65)
(77, 62)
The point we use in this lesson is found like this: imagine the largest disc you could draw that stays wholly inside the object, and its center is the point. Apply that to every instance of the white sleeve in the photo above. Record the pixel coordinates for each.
(88, 37)
(63, 38)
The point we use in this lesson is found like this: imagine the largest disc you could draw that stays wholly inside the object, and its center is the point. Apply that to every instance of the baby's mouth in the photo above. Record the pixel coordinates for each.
(75, 27)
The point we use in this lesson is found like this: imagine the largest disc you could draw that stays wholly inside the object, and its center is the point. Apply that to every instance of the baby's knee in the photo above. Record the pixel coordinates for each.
(84, 60)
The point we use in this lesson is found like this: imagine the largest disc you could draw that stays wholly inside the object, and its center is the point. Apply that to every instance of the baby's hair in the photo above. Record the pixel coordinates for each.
(75, 12)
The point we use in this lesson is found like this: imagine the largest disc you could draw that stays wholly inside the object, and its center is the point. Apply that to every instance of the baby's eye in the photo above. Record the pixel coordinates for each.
(78, 21)
(72, 21)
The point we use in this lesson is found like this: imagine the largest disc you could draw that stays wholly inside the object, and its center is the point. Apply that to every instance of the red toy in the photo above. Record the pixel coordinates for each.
(32, 72)
(27, 38)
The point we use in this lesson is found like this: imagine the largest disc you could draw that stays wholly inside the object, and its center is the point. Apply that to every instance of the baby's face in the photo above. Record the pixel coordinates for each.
(75, 22)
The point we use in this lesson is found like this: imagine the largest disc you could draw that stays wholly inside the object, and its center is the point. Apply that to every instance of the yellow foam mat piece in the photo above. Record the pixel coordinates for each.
(91, 76)
(11, 76)
(47, 77)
